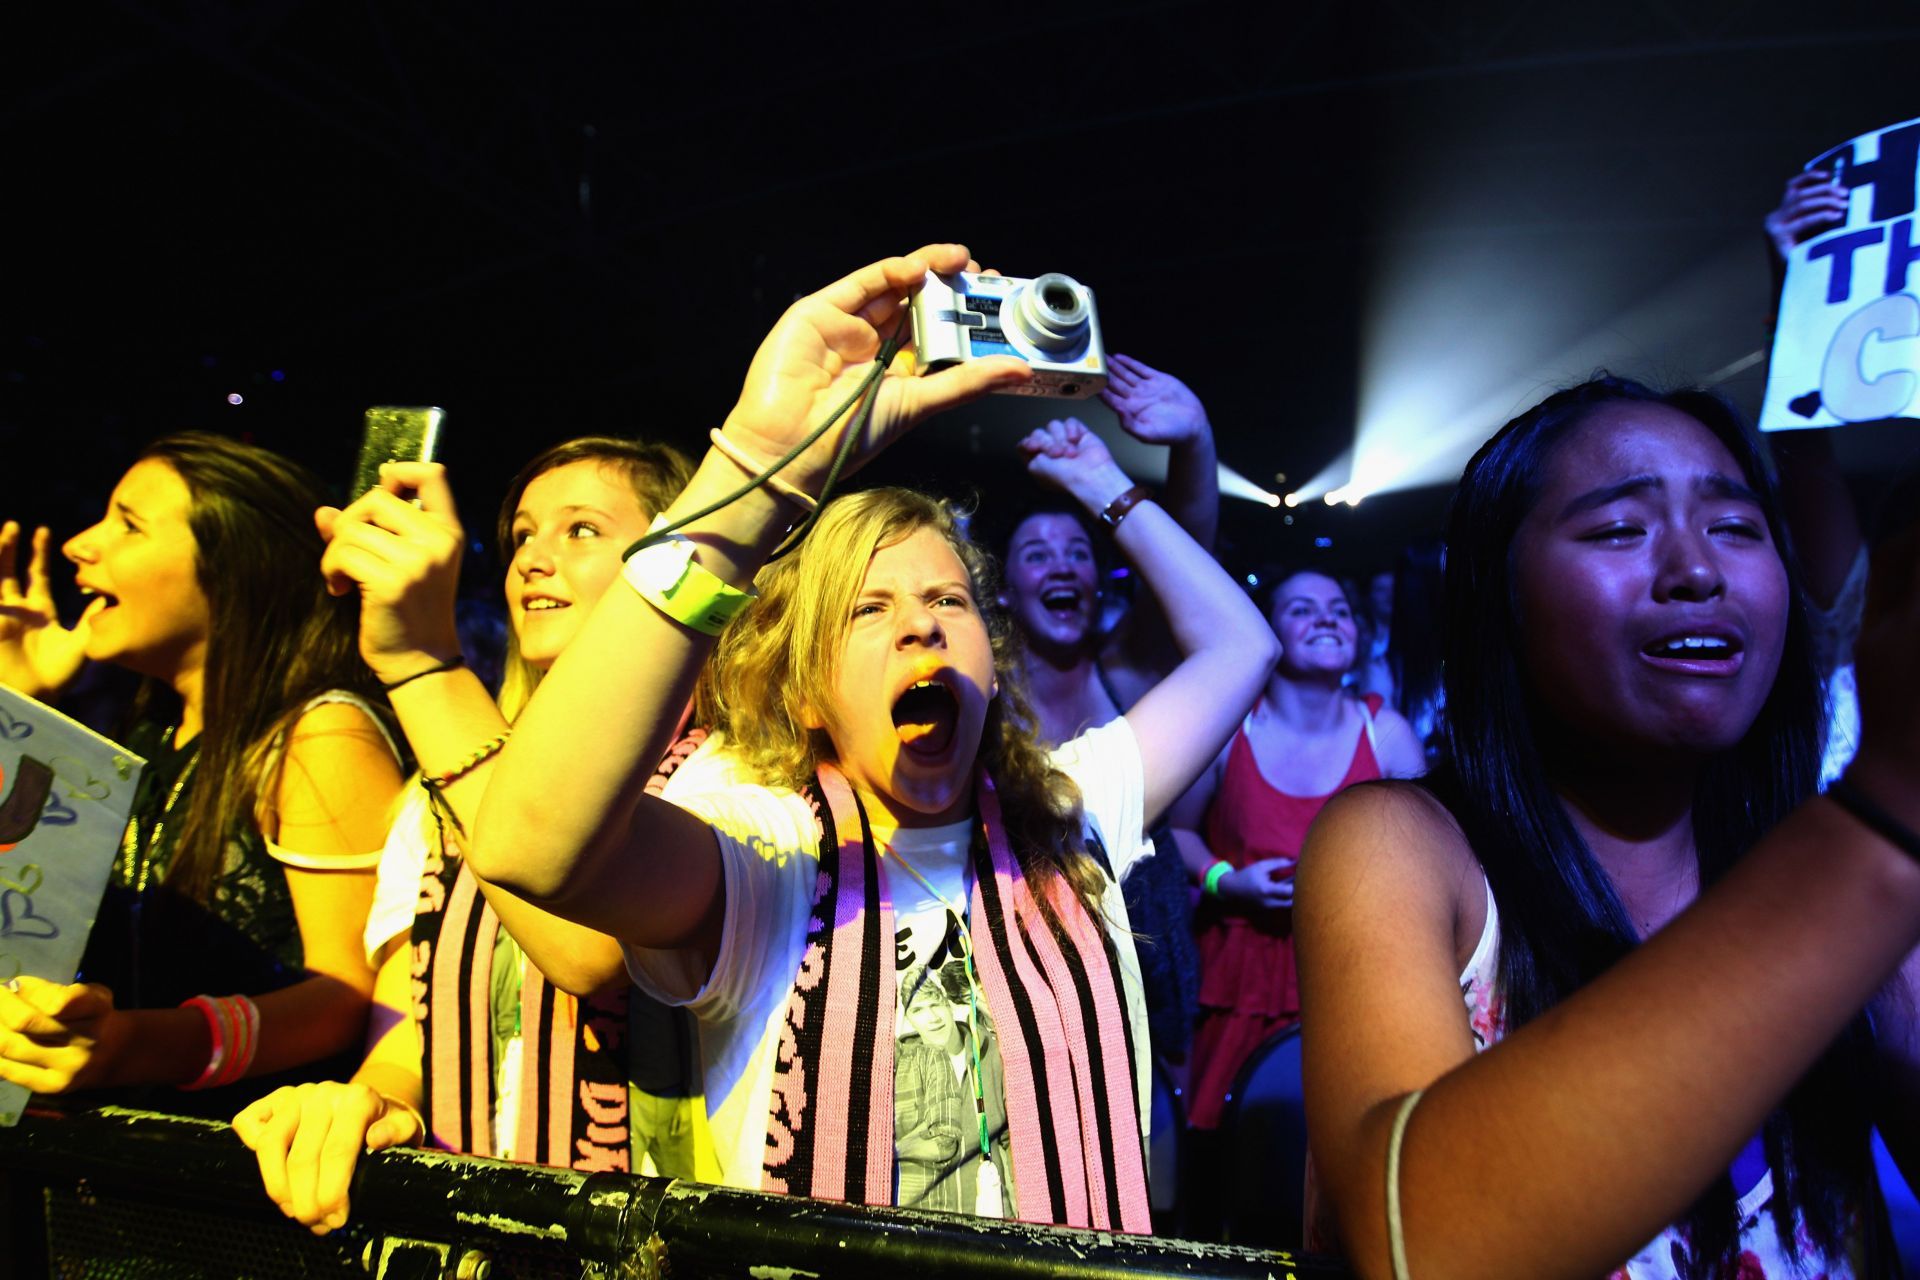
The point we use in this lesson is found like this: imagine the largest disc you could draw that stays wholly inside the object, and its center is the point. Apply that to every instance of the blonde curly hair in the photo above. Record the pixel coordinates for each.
(782, 656)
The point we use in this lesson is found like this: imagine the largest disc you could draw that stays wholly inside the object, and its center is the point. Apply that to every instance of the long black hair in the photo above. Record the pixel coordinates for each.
(1561, 921)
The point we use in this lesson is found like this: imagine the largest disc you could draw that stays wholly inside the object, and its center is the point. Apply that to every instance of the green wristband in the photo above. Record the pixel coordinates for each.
(668, 577)
(1215, 874)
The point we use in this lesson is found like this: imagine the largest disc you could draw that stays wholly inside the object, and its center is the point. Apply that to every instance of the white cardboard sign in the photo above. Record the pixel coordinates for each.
(65, 794)
(1847, 348)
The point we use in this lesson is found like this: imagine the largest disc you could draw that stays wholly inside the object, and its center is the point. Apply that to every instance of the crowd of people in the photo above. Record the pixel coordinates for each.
(899, 868)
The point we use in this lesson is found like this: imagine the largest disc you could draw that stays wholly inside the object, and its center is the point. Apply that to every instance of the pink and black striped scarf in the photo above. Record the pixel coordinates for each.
(1056, 1001)
(573, 1110)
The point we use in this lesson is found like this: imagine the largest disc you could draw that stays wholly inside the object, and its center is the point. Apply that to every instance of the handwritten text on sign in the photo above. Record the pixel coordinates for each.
(1847, 348)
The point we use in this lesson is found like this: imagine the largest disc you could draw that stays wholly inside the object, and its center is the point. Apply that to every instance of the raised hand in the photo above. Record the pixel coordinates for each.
(1065, 454)
(405, 562)
(824, 345)
(38, 656)
(56, 1039)
(308, 1138)
(1154, 407)
(1811, 203)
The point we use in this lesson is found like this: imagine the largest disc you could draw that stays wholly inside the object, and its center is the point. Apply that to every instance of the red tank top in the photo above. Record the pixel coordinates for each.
(1251, 819)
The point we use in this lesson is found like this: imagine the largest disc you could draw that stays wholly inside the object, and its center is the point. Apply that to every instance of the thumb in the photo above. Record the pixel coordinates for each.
(390, 1130)
(395, 1126)
(323, 520)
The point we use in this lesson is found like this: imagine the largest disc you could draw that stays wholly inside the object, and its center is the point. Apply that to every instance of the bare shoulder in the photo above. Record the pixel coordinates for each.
(1391, 845)
(1401, 755)
(335, 720)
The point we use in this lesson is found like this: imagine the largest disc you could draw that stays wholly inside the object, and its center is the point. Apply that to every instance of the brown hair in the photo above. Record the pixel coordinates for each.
(783, 654)
(275, 638)
(657, 472)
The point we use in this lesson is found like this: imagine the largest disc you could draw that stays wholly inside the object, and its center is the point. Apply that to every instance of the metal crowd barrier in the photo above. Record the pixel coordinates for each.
(112, 1193)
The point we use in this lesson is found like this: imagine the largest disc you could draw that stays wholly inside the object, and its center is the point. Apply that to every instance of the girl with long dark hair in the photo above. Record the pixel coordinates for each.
(1589, 997)
(228, 943)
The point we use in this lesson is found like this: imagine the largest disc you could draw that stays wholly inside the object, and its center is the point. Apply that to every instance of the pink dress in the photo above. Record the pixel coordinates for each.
(1247, 985)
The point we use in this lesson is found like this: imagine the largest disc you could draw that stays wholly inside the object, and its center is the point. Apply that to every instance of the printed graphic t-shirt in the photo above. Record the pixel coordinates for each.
(769, 855)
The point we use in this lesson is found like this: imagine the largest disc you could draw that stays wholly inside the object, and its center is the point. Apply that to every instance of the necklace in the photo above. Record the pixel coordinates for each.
(136, 849)
(957, 929)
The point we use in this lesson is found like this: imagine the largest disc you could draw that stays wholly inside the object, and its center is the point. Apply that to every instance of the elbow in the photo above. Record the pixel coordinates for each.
(497, 852)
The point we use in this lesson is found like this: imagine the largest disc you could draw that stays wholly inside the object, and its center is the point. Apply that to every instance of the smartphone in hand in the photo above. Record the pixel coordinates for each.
(395, 433)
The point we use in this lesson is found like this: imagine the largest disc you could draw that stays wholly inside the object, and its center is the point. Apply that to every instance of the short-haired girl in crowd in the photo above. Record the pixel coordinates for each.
(1306, 738)
(908, 824)
(1664, 941)
(472, 1048)
(226, 955)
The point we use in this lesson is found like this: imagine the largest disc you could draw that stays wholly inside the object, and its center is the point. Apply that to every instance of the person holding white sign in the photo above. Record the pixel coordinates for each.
(227, 948)
(1588, 1000)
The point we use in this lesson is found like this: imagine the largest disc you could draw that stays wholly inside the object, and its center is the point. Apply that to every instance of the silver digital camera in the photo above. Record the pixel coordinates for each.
(1049, 322)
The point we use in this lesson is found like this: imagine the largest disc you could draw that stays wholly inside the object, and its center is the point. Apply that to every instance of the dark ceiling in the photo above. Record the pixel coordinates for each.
(561, 217)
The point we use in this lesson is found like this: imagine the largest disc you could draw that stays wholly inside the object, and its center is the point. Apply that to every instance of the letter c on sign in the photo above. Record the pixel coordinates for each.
(1845, 389)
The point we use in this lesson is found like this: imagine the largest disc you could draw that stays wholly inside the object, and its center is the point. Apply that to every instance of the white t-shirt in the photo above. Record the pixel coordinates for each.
(769, 851)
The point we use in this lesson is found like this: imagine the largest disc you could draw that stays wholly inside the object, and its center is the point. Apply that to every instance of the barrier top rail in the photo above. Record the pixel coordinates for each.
(430, 1213)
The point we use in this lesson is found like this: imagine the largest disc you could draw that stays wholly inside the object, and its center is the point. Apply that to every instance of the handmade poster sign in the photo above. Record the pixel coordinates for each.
(65, 793)
(1847, 348)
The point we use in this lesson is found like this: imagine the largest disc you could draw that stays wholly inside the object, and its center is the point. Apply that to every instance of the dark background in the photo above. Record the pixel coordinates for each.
(561, 218)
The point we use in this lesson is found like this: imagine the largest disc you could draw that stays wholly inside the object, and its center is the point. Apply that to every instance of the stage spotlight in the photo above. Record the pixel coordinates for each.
(1293, 499)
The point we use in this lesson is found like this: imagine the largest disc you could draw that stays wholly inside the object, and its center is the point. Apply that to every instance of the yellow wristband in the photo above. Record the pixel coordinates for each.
(668, 577)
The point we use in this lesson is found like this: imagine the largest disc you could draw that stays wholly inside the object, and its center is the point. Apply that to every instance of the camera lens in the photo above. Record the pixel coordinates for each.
(1052, 313)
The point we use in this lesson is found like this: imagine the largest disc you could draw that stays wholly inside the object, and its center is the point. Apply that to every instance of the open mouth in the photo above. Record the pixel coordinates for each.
(539, 604)
(925, 716)
(1695, 653)
(107, 600)
(1062, 602)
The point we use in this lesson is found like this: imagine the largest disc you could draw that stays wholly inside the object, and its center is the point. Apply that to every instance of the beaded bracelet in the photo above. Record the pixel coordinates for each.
(233, 1022)
(474, 759)
(785, 488)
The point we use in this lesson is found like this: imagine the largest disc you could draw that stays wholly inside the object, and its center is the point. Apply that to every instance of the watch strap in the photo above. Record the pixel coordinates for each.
(1116, 511)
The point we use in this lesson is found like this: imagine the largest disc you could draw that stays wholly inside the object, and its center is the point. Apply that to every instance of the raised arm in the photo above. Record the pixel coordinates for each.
(1158, 408)
(566, 820)
(1226, 647)
(1644, 1083)
(405, 562)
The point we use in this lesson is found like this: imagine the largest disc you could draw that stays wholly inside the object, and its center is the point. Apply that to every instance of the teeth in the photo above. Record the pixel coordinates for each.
(532, 605)
(88, 591)
(1697, 643)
